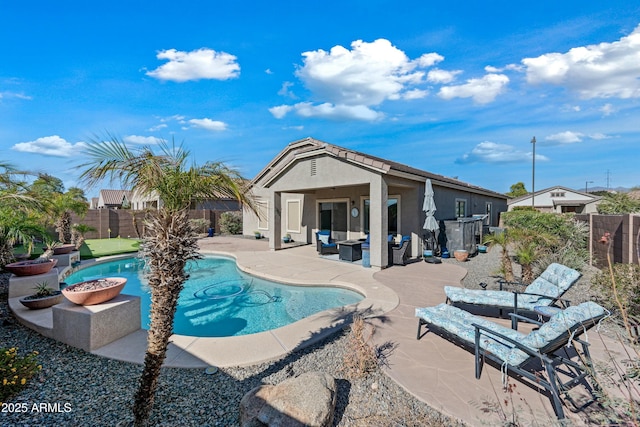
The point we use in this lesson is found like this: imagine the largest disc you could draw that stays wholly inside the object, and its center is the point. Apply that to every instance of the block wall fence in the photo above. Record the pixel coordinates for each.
(624, 231)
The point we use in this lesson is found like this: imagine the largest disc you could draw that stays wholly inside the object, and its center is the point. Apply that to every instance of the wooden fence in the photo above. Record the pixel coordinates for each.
(130, 223)
(624, 230)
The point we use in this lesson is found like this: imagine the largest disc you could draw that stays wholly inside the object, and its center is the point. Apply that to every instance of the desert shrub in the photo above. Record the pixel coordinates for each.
(15, 371)
(627, 277)
(569, 247)
(200, 225)
(231, 223)
(362, 357)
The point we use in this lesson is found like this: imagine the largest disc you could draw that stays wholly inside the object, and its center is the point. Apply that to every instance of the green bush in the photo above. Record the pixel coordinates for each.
(627, 277)
(200, 225)
(231, 223)
(569, 245)
(15, 371)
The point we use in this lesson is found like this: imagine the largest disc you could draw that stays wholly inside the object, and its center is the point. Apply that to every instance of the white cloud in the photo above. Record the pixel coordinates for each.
(490, 152)
(50, 145)
(340, 111)
(567, 137)
(284, 90)
(604, 70)
(17, 95)
(158, 127)
(141, 140)
(482, 90)
(442, 76)
(607, 110)
(280, 111)
(196, 65)
(598, 136)
(208, 124)
(415, 94)
(352, 81)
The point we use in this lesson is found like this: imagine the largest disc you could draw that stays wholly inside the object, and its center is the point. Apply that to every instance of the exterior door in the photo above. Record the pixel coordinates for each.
(333, 216)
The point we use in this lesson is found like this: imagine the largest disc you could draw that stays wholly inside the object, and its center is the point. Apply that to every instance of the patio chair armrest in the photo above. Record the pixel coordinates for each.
(565, 302)
(531, 352)
(519, 318)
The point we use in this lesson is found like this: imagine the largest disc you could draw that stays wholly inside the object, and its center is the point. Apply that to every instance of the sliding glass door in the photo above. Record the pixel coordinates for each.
(333, 216)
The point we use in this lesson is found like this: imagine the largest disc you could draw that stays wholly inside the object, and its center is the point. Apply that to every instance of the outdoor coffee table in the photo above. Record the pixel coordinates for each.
(350, 250)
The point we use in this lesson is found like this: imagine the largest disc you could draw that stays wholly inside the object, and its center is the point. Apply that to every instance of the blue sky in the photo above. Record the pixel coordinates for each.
(455, 88)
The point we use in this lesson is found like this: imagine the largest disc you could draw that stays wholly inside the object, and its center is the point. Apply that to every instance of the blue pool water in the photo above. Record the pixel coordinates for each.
(219, 300)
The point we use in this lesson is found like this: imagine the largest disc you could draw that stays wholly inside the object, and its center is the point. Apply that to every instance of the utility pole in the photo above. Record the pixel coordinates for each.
(533, 174)
(608, 175)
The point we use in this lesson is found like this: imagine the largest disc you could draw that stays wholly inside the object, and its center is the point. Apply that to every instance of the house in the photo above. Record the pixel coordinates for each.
(559, 200)
(312, 185)
(113, 199)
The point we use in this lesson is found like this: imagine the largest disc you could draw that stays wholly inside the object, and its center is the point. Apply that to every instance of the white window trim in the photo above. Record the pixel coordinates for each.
(455, 207)
(391, 196)
(289, 227)
(264, 203)
(337, 200)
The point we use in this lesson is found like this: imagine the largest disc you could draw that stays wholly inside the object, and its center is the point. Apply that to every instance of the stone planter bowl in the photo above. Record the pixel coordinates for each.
(461, 255)
(30, 268)
(43, 302)
(63, 249)
(94, 291)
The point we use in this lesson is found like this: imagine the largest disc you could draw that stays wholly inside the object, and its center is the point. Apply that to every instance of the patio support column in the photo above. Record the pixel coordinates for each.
(378, 222)
(275, 221)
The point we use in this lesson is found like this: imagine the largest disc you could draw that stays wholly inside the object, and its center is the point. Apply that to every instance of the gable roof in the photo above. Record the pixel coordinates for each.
(114, 197)
(593, 197)
(310, 147)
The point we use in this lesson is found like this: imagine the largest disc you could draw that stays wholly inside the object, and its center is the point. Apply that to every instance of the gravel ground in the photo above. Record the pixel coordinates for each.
(99, 391)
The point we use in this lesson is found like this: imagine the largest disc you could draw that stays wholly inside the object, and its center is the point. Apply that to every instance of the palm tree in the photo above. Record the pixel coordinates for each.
(60, 206)
(78, 232)
(502, 239)
(170, 240)
(17, 224)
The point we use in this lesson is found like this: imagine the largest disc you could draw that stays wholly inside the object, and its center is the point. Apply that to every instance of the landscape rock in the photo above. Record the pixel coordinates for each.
(306, 400)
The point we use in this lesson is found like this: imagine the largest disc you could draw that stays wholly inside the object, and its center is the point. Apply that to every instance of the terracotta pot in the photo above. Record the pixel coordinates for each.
(63, 249)
(42, 302)
(95, 291)
(461, 255)
(30, 268)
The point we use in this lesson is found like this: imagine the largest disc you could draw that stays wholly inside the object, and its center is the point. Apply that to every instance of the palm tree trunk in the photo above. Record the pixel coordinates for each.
(506, 265)
(171, 243)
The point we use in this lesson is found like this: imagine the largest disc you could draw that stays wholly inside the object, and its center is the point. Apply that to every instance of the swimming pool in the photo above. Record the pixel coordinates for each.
(219, 300)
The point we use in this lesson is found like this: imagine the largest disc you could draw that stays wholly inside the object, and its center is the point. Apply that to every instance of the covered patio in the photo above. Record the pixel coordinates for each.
(312, 185)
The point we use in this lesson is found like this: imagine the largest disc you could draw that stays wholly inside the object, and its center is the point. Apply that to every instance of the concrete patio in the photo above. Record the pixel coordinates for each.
(432, 368)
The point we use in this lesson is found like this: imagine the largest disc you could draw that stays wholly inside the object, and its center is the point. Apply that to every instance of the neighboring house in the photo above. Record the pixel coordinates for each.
(314, 185)
(559, 200)
(114, 199)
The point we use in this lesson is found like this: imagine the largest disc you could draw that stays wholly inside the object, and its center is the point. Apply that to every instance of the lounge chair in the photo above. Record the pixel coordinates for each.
(325, 244)
(515, 352)
(401, 252)
(546, 289)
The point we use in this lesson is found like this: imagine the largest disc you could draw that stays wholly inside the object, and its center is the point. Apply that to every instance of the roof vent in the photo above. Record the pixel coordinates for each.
(313, 167)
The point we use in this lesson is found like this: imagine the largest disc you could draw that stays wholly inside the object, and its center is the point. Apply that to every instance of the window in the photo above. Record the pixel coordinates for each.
(293, 216)
(393, 206)
(487, 209)
(557, 194)
(461, 208)
(263, 214)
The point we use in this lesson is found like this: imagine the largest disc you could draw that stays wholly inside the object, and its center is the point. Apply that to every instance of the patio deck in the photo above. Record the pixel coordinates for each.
(433, 369)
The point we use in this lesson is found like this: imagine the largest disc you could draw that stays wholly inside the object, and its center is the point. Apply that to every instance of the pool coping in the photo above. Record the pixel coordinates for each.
(298, 266)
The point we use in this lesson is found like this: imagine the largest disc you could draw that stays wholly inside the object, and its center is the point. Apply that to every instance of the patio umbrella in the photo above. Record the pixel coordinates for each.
(429, 208)
(430, 223)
